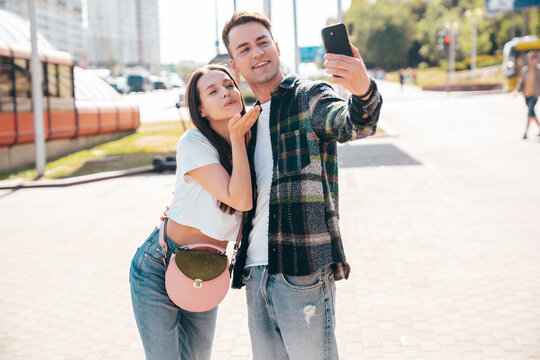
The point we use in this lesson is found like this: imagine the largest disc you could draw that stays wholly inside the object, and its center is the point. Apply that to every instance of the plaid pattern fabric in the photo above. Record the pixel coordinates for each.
(307, 119)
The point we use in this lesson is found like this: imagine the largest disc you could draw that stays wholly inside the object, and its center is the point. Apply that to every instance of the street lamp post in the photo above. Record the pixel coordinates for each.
(37, 93)
(296, 49)
(473, 16)
(452, 28)
(217, 29)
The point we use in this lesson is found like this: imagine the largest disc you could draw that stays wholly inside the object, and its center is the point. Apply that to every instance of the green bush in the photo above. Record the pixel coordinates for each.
(443, 64)
(484, 60)
(423, 65)
(460, 65)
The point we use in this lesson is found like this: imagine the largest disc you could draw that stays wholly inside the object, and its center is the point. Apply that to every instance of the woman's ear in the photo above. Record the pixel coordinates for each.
(203, 114)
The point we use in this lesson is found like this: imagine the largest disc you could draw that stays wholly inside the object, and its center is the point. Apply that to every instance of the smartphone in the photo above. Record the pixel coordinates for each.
(335, 39)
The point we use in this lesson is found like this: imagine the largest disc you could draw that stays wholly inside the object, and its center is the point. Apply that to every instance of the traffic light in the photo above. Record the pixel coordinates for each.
(447, 40)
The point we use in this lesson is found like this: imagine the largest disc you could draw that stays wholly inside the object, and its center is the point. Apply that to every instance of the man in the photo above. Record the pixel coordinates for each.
(529, 84)
(291, 251)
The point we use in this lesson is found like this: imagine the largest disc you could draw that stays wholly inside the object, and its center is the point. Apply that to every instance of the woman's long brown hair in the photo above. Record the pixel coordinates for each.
(193, 101)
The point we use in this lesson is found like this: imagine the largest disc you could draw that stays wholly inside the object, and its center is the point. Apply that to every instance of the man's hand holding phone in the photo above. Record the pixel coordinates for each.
(343, 61)
(348, 71)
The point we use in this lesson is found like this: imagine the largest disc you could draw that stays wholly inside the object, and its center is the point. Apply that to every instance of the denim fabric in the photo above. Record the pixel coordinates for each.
(291, 317)
(167, 332)
(531, 103)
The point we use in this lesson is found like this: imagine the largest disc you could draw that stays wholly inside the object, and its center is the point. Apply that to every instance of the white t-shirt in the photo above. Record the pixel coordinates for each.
(191, 204)
(257, 252)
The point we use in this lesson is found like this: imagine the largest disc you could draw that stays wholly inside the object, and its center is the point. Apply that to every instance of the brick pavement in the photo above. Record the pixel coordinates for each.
(445, 251)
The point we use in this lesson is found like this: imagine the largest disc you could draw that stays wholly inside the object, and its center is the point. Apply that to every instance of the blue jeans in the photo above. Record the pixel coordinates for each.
(291, 317)
(531, 103)
(167, 332)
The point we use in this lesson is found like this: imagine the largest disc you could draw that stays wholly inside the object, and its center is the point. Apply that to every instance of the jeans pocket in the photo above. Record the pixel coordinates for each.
(247, 275)
(294, 154)
(306, 282)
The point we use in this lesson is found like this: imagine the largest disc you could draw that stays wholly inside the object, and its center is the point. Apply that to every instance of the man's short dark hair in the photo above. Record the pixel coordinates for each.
(244, 17)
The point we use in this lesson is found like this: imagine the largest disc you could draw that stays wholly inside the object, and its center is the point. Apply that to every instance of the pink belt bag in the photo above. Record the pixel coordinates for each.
(196, 280)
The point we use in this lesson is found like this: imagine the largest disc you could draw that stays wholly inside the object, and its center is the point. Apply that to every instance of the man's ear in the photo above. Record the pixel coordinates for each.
(277, 48)
(232, 64)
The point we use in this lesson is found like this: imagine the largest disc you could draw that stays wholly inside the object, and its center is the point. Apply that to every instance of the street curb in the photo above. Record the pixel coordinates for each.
(25, 184)
(77, 180)
(389, 132)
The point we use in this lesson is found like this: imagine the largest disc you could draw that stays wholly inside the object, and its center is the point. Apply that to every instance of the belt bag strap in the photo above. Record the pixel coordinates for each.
(162, 243)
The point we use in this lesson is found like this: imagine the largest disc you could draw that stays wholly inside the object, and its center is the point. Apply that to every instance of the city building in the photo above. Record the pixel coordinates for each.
(124, 33)
(60, 21)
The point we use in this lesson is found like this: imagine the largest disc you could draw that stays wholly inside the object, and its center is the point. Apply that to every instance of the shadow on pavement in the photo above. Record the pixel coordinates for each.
(373, 155)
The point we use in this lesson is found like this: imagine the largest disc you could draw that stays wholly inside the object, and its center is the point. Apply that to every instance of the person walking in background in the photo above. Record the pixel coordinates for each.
(291, 251)
(401, 74)
(529, 84)
(212, 189)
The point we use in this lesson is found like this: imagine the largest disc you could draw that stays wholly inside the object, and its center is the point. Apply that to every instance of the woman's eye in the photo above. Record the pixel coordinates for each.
(229, 86)
(213, 92)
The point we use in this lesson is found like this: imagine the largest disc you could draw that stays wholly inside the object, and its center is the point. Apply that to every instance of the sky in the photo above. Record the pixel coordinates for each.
(188, 27)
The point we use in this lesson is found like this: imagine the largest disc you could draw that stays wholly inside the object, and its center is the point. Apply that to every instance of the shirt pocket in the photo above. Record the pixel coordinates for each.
(294, 154)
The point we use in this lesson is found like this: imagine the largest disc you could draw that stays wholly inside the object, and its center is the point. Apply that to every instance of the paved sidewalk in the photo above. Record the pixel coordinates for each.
(441, 227)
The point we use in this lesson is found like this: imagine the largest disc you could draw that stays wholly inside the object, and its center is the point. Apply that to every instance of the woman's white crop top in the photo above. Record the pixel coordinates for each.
(191, 204)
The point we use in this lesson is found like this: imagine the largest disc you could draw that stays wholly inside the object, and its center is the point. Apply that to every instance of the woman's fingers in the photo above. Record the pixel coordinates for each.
(239, 125)
(249, 118)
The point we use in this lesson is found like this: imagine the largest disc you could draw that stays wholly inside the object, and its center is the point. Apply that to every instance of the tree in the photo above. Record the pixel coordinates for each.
(383, 32)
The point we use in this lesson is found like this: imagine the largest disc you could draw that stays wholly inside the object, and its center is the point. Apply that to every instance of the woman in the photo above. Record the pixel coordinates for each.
(212, 188)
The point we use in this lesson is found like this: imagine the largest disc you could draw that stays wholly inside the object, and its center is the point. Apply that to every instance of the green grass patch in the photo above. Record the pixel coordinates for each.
(437, 76)
(138, 149)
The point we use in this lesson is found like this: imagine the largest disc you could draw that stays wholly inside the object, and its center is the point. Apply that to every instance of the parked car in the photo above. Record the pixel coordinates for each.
(175, 80)
(159, 83)
(138, 82)
(118, 83)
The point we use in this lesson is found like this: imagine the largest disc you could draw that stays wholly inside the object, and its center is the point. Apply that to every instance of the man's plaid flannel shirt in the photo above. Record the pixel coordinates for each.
(307, 118)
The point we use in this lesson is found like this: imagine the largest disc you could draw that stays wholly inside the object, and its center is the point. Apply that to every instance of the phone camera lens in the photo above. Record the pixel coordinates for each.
(331, 33)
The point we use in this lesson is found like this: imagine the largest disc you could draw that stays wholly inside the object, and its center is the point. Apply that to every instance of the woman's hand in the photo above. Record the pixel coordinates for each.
(239, 126)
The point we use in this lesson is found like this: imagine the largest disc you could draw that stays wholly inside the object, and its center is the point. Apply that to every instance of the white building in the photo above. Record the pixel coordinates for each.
(123, 32)
(60, 21)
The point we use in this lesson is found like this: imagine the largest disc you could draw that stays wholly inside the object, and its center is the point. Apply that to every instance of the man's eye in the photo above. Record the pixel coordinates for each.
(243, 51)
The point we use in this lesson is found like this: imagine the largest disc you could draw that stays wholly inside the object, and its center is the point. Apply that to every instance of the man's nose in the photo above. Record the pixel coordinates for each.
(257, 51)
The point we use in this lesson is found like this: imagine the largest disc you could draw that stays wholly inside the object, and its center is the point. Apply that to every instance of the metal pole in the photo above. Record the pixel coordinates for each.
(39, 138)
(268, 9)
(452, 53)
(234, 5)
(296, 49)
(217, 35)
(340, 89)
(513, 30)
(523, 22)
(473, 52)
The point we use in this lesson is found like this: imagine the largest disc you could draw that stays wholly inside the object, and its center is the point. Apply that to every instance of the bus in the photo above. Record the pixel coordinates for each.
(514, 57)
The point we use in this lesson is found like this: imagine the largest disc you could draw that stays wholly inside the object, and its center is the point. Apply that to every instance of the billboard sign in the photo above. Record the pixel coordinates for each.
(311, 53)
(496, 6)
